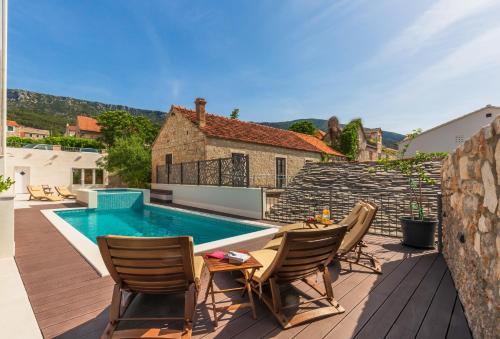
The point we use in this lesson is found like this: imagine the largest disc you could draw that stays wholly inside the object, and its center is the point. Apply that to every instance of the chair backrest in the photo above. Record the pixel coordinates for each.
(149, 265)
(36, 191)
(350, 219)
(63, 190)
(304, 252)
(359, 230)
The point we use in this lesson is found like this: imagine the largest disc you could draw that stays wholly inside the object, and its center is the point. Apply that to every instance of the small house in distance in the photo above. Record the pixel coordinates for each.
(16, 130)
(450, 135)
(85, 127)
(275, 155)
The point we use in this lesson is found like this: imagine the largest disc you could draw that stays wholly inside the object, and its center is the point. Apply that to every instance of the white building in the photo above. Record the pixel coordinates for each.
(448, 136)
(29, 166)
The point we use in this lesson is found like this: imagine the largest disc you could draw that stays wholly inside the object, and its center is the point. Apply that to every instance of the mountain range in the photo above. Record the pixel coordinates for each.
(53, 112)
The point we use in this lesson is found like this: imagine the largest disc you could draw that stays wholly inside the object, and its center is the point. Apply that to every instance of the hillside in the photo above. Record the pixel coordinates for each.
(53, 112)
(389, 139)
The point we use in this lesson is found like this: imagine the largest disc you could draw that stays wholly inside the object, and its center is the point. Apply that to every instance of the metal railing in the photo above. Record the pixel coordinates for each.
(217, 172)
(300, 204)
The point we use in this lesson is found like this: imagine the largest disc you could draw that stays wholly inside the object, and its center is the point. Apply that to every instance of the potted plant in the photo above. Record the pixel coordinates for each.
(417, 228)
(5, 183)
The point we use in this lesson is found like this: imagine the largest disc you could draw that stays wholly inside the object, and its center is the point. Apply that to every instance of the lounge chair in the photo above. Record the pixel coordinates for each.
(64, 192)
(302, 254)
(353, 241)
(37, 193)
(349, 221)
(151, 266)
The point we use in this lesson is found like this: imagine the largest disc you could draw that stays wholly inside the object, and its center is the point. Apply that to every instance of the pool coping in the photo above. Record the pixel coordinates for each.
(90, 251)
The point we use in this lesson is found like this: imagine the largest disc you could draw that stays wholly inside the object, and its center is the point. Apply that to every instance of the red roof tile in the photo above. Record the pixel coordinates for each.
(87, 124)
(12, 123)
(233, 129)
(319, 144)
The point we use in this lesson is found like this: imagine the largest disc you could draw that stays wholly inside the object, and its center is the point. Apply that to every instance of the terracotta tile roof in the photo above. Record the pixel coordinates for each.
(319, 144)
(319, 133)
(233, 129)
(12, 123)
(87, 124)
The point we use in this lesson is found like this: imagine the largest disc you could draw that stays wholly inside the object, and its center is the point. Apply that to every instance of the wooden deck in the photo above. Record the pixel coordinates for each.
(414, 297)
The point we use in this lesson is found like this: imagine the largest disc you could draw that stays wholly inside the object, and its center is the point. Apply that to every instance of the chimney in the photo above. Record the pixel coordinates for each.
(200, 111)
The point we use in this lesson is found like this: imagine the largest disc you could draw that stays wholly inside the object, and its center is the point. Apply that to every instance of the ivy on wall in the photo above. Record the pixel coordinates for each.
(349, 142)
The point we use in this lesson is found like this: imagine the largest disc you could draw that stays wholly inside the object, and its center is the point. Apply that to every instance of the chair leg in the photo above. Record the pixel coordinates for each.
(275, 293)
(373, 265)
(114, 313)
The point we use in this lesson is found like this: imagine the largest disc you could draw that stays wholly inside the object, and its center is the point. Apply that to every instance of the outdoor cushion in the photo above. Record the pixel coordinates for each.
(265, 257)
(198, 266)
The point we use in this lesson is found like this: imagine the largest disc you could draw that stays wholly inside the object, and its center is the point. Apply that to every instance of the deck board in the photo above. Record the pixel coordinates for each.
(414, 295)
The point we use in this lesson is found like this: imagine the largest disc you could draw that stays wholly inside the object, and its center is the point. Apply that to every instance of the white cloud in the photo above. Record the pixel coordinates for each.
(438, 18)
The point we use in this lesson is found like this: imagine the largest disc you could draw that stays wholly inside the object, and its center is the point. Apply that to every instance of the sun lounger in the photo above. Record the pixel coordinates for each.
(151, 266)
(37, 193)
(302, 255)
(353, 241)
(64, 192)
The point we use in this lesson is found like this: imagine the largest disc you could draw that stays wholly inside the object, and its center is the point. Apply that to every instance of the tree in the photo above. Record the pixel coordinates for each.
(120, 124)
(130, 159)
(349, 141)
(303, 126)
(235, 113)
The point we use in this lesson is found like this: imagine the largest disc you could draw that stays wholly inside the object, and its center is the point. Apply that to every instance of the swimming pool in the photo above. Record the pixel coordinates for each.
(151, 221)
(128, 212)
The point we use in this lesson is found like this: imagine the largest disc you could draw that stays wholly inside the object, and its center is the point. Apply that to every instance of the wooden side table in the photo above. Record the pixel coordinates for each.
(248, 269)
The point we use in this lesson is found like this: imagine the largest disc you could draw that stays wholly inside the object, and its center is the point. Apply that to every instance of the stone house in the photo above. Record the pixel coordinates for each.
(16, 130)
(275, 155)
(85, 127)
(369, 140)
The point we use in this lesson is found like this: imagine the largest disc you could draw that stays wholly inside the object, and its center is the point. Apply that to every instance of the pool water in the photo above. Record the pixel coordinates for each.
(149, 221)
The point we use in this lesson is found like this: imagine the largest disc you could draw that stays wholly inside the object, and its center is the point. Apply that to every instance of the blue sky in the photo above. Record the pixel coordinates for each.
(397, 64)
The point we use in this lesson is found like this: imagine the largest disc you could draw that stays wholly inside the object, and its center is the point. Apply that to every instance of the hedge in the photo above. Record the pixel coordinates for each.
(63, 141)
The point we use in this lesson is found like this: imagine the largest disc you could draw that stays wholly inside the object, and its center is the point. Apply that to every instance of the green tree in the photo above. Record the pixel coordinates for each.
(235, 114)
(349, 142)
(120, 124)
(130, 159)
(303, 126)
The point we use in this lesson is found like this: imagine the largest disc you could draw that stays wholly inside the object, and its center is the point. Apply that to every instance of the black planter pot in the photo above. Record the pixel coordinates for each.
(418, 233)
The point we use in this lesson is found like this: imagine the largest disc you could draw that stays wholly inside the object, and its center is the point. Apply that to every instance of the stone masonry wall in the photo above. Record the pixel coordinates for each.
(339, 185)
(471, 241)
(180, 137)
(262, 159)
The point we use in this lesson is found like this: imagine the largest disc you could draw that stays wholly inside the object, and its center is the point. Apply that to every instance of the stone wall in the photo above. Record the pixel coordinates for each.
(471, 242)
(262, 159)
(181, 138)
(339, 185)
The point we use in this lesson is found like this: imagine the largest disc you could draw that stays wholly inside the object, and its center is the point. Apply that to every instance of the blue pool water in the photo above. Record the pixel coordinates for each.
(123, 213)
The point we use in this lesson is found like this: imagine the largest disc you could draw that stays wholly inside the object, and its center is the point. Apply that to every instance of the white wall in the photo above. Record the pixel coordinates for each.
(241, 201)
(443, 138)
(50, 167)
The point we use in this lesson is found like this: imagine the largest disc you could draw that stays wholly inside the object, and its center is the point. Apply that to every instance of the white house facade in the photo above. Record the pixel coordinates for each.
(448, 136)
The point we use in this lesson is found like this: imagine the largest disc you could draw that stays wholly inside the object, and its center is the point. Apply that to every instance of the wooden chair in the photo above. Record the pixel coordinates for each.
(353, 241)
(64, 192)
(151, 266)
(37, 193)
(302, 254)
(349, 221)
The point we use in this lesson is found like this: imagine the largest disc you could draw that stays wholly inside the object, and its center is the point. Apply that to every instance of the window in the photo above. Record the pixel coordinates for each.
(88, 176)
(10, 128)
(77, 176)
(459, 140)
(280, 172)
(99, 176)
(488, 115)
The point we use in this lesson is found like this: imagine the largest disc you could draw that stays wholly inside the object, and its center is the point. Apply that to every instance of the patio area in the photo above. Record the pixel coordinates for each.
(414, 297)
